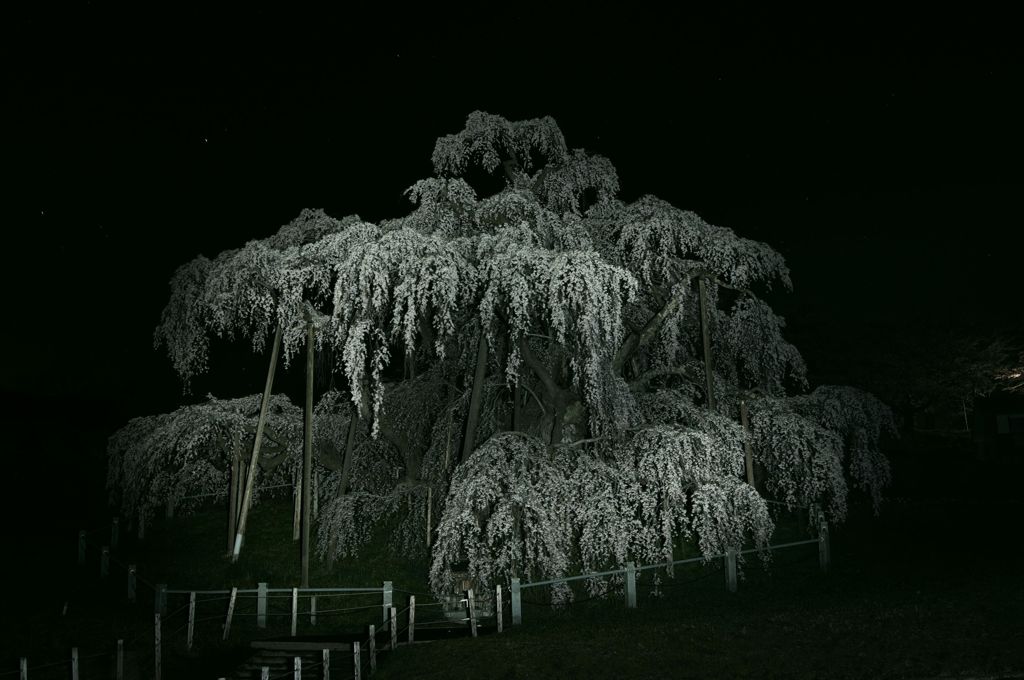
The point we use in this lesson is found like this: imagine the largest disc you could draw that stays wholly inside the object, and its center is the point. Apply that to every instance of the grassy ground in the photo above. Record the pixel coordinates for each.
(930, 589)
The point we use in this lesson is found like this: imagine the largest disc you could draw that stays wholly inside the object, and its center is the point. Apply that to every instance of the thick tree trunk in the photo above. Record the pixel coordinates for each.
(706, 335)
(476, 397)
(307, 455)
(260, 424)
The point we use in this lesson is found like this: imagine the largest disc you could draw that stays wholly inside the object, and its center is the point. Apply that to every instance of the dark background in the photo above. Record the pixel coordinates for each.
(883, 159)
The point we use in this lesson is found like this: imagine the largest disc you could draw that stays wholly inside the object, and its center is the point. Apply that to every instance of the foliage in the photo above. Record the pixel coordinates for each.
(593, 440)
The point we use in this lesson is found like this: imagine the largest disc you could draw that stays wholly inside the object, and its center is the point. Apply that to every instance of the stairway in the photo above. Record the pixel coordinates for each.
(279, 657)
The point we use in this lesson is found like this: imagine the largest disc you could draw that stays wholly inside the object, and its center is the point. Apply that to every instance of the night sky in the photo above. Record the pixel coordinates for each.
(885, 164)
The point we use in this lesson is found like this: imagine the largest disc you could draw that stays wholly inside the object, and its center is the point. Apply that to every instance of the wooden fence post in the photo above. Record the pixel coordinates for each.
(471, 605)
(824, 549)
(393, 628)
(356, 662)
(81, 547)
(295, 611)
(261, 605)
(23, 669)
(156, 646)
(730, 569)
(388, 601)
(265, 673)
(326, 663)
(497, 607)
(412, 617)
(630, 585)
(74, 663)
(517, 602)
(373, 650)
(119, 673)
(104, 561)
(191, 620)
(160, 605)
(297, 667)
(131, 584)
(114, 532)
(312, 610)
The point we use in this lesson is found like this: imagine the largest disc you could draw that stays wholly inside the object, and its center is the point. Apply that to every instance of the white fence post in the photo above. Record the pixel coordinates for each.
(387, 596)
(231, 611)
(265, 673)
(356, 661)
(393, 628)
(74, 663)
(517, 602)
(630, 585)
(295, 610)
(192, 620)
(326, 663)
(23, 669)
(497, 607)
(730, 569)
(298, 668)
(412, 617)
(472, 612)
(261, 605)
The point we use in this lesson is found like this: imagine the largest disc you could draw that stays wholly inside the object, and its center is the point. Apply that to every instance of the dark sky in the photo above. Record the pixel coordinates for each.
(885, 164)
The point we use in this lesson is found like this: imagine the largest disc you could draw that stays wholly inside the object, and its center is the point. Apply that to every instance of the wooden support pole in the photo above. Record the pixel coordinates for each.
(430, 508)
(412, 618)
(630, 585)
(373, 649)
(307, 452)
(475, 397)
(730, 569)
(295, 611)
(471, 605)
(356, 661)
(316, 493)
(81, 547)
(104, 561)
(74, 663)
(705, 328)
(192, 621)
(326, 663)
(297, 510)
(114, 532)
(119, 671)
(254, 459)
(517, 603)
(233, 501)
(498, 607)
(132, 589)
(748, 450)
(393, 627)
(156, 646)
(261, 605)
(231, 611)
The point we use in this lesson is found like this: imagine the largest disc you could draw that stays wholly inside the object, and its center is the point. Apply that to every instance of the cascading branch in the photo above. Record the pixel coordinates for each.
(530, 364)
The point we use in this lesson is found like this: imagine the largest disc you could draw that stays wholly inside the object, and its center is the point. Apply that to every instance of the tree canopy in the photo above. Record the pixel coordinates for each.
(530, 363)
